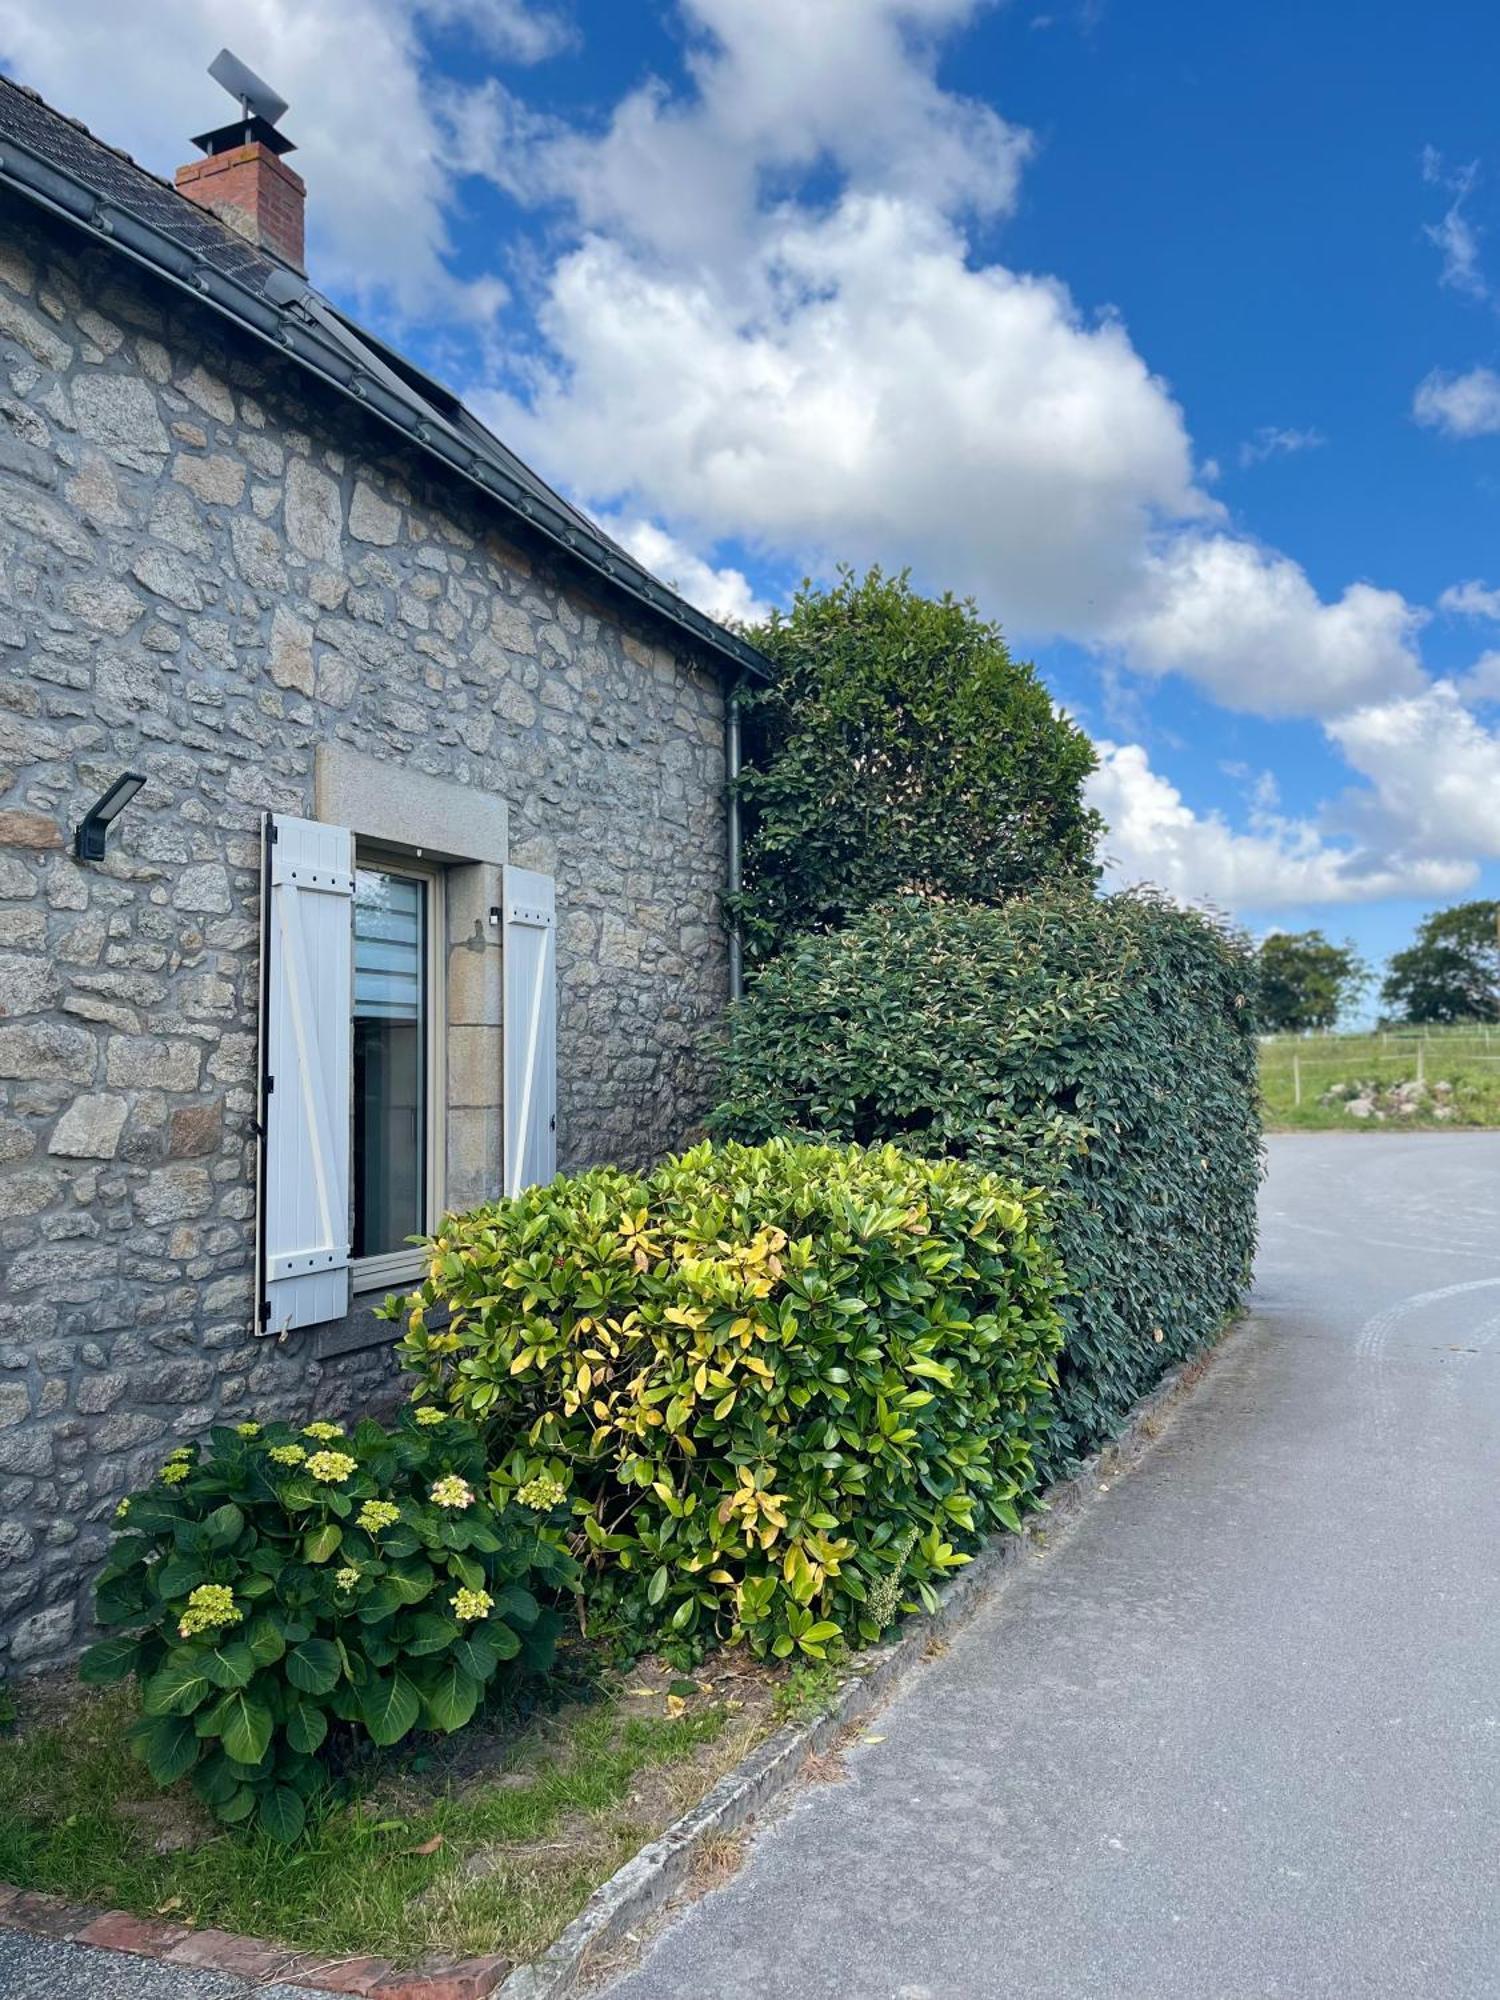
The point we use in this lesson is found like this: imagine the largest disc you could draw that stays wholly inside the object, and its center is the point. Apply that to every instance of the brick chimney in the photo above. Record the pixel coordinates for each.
(246, 183)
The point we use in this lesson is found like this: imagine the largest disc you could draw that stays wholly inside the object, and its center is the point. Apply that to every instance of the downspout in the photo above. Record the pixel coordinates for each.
(732, 827)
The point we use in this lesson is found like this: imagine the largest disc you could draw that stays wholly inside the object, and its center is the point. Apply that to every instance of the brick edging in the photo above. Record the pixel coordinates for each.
(648, 1880)
(254, 1960)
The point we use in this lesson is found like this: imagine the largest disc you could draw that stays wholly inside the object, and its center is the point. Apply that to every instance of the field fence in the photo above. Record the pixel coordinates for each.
(1418, 1057)
(1479, 1034)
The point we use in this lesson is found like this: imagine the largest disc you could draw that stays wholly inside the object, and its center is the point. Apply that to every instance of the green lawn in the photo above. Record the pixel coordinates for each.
(1467, 1059)
(553, 1807)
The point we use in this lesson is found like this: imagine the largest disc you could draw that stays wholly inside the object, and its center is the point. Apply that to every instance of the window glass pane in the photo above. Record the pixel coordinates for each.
(390, 1060)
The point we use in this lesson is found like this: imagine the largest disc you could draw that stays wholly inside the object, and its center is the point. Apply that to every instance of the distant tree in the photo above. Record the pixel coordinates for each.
(1305, 981)
(900, 747)
(1452, 972)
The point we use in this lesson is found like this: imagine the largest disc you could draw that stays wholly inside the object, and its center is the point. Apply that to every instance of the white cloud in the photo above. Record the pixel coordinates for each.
(367, 123)
(1458, 240)
(1472, 599)
(1155, 836)
(1246, 625)
(1434, 772)
(514, 30)
(1482, 682)
(778, 88)
(838, 377)
(1464, 406)
(1454, 234)
(818, 375)
(722, 593)
(880, 400)
(1427, 814)
(1266, 793)
(1276, 441)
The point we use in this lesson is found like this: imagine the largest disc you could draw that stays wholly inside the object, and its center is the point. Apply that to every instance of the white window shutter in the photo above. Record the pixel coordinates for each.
(530, 961)
(306, 1072)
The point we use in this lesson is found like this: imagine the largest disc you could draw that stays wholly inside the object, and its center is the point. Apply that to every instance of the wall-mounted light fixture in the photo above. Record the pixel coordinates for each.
(93, 829)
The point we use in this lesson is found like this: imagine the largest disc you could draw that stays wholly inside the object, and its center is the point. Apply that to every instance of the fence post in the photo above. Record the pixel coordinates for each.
(1296, 1078)
(1420, 1076)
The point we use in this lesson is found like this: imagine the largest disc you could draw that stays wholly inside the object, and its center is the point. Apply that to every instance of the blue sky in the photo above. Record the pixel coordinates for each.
(1167, 331)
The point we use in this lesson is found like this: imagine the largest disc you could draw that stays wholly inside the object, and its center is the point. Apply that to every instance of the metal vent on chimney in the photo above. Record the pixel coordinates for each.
(261, 110)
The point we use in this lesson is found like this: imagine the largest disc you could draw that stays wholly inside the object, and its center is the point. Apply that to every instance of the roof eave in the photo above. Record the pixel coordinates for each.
(116, 228)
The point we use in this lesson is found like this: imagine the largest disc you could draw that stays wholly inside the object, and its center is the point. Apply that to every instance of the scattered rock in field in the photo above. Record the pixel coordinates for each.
(1369, 1098)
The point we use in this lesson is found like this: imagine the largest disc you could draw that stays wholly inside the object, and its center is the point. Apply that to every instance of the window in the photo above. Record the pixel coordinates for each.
(396, 1111)
(399, 1072)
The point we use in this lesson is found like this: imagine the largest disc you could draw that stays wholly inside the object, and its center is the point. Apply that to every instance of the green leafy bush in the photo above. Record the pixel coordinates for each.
(775, 1385)
(285, 1586)
(1306, 982)
(899, 746)
(1102, 1048)
(1451, 970)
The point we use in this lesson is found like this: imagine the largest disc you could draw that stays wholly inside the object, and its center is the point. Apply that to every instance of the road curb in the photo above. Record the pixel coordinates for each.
(649, 1880)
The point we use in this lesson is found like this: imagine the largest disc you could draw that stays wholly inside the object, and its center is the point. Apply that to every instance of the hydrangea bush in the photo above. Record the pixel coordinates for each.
(772, 1390)
(282, 1587)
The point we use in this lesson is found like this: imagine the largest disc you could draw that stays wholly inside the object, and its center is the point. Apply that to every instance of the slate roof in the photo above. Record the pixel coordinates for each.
(59, 164)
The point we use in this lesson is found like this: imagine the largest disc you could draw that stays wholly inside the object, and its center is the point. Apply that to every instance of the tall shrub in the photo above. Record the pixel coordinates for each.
(1451, 972)
(1306, 982)
(775, 1387)
(1102, 1049)
(899, 746)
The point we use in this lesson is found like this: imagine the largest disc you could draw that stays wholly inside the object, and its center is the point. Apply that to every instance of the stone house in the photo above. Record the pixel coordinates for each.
(421, 893)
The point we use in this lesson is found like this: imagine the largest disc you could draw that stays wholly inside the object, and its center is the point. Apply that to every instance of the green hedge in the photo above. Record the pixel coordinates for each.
(1100, 1048)
(898, 745)
(775, 1386)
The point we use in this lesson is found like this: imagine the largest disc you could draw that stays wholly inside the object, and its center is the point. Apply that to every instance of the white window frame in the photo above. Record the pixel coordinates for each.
(393, 1268)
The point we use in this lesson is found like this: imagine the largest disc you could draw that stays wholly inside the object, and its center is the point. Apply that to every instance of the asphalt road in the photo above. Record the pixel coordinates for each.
(1239, 1735)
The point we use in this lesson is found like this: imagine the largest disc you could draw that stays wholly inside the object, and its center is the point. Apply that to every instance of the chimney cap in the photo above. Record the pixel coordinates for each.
(247, 131)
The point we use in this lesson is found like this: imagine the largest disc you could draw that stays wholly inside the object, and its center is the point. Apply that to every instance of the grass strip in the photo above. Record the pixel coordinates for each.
(422, 1859)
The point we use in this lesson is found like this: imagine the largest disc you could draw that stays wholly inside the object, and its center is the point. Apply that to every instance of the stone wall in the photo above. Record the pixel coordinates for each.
(208, 567)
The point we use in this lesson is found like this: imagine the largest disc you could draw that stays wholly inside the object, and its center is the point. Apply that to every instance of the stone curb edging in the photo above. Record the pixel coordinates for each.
(646, 1882)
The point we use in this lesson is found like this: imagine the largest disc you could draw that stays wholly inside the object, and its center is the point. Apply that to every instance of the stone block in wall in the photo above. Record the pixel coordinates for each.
(89, 1129)
(44, 1049)
(148, 1063)
(476, 1063)
(29, 829)
(476, 1137)
(476, 982)
(43, 1634)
